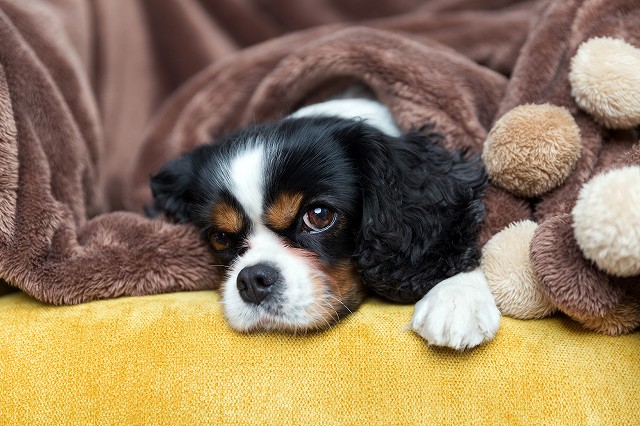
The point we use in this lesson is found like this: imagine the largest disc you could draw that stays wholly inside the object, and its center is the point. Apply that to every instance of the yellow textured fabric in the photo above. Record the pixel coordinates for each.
(171, 359)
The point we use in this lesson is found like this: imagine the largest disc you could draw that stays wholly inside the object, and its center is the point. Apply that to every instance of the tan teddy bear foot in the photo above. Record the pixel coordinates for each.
(588, 262)
(599, 301)
(506, 265)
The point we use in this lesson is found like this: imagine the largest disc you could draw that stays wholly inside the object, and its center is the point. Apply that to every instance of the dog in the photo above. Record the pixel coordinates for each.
(310, 213)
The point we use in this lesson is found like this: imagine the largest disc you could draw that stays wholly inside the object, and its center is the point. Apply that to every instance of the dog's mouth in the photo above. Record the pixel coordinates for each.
(277, 314)
(272, 319)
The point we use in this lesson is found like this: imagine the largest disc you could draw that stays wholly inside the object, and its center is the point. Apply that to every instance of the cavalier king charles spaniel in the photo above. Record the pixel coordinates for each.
(310, 213)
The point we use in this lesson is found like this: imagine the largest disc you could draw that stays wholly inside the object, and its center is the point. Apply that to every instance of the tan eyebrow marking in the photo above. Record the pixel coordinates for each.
(226, 218)
(284, 210)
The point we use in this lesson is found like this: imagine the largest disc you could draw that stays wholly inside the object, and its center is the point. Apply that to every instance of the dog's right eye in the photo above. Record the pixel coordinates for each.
(319, 219)
(219, 240)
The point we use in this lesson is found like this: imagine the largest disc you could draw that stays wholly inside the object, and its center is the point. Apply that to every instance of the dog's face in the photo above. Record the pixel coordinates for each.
(278, 206)
(303, 214)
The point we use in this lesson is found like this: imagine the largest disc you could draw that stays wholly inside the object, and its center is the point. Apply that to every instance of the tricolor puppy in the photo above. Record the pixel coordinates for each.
(309, 213)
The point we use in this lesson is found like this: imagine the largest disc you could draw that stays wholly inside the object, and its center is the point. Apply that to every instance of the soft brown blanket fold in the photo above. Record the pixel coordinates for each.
(96, 95)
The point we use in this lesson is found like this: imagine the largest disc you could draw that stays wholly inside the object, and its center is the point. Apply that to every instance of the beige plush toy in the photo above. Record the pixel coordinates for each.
(585, 263)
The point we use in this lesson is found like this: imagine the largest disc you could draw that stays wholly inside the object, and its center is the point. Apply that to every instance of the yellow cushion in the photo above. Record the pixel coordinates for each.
(172, 359)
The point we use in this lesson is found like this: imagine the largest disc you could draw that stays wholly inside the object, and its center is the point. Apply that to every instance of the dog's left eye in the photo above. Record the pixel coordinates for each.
(319, 219)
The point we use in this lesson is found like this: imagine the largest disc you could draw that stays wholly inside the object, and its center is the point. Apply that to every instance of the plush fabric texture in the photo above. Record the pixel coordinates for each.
(606, 221)
(171, 359)
(571, 44)
(532, 149)
(603, 302)
(605, 81)
(505, 263)
(541, 75)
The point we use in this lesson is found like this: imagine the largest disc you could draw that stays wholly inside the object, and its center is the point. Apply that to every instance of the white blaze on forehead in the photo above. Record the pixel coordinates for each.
(247, 181)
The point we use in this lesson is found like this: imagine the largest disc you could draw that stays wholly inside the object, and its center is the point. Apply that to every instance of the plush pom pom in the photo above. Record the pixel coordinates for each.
(605, 81)
(606, 221)
(506, 264)
(532, 149)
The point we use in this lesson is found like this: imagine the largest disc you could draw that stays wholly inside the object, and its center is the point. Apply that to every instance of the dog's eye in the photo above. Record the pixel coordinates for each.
(219, 240)
(319, 219)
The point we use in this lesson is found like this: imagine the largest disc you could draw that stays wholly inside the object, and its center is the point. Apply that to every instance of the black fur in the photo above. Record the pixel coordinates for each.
(411, 210)
(421, 213)
(172, 189)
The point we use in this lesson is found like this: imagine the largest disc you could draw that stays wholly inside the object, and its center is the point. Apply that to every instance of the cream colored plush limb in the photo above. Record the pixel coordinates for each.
(532, 149)
(606, 221)
(505, 262)
(605, 81)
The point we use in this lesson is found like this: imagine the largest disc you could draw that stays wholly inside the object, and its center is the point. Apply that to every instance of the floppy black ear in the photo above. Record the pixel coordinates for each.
(172, 189)
(421, 215)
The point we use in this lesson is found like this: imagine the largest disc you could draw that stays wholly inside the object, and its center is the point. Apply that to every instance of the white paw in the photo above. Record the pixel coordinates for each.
(460, 312)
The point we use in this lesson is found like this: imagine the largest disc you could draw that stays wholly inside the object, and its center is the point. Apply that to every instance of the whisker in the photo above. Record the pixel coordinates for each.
(326, 311)
(217, 266)
(335, 311)
(342, 303)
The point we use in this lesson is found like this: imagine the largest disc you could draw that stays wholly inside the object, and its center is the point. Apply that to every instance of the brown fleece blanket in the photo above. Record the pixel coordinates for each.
(97, 95)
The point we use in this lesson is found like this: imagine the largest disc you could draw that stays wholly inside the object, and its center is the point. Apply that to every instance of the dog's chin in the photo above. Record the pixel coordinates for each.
(249, 318)
(267, 322)
(279, 315)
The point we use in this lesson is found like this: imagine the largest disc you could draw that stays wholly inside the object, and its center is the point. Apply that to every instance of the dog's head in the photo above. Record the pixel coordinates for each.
(305, 214)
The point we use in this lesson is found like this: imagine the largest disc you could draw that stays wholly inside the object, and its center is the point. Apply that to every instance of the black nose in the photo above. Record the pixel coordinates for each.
(256, 282)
